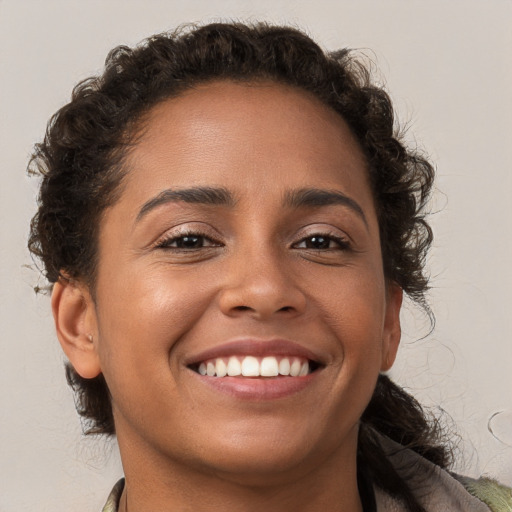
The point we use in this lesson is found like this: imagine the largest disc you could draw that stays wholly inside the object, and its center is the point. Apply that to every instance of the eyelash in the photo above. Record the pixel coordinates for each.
(165, 243)
(342, 243)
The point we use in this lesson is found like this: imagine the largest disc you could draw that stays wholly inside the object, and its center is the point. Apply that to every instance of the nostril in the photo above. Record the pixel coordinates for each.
(242, 308)
(284, 309)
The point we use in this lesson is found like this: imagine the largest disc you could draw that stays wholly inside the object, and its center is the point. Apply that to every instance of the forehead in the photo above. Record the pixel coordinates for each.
(265, 132)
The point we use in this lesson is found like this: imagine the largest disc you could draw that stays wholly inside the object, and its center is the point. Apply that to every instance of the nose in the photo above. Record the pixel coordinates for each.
(261, 286)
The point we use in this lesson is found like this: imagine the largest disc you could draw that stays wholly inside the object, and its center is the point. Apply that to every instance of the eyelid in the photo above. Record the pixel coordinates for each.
(340, 237)
(323, 229)
(343, 243)
(188, 229)
(165, 243)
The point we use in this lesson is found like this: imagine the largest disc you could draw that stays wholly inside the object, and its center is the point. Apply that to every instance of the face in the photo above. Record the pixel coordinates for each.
(245, 240)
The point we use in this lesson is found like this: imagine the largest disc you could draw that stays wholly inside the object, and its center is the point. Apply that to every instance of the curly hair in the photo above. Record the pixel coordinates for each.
(81, 164)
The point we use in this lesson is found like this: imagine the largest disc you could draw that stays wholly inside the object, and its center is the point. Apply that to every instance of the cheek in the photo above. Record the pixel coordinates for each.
(141, 324)
(355, 314)
(354, 298)
(142, 319)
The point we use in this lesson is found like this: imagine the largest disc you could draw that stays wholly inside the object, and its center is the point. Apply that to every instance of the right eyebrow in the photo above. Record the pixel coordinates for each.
(193, 195)
(317, 198)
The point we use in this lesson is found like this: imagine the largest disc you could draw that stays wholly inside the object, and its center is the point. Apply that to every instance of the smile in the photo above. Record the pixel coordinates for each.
(256, 369)
(252, 366)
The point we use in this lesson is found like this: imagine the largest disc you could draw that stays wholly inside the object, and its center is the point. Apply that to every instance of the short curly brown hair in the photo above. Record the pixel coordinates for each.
(81, 158)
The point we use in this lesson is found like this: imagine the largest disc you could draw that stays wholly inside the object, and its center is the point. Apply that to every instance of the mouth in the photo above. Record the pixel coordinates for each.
(255, 369)
(252, 366)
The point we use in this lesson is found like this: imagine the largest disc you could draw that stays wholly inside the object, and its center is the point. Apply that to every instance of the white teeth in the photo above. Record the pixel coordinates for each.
(234, 367)
(269, 367)
(304, 369)
(295, 368)
(284, 366)
(210, 369)
(250, 366)
(220, 368)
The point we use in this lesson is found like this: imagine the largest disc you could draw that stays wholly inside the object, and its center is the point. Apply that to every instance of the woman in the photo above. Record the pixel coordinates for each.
(228, 222)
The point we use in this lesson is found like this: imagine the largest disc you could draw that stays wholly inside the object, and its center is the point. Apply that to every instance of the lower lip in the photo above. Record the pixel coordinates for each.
(258, 388)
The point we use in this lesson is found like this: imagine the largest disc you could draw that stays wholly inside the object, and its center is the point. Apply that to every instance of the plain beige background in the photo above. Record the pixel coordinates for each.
(447, 65)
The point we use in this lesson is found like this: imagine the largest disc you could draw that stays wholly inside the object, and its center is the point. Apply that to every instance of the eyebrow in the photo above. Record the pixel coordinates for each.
(315, 197)
(195, 195)
(306, 197)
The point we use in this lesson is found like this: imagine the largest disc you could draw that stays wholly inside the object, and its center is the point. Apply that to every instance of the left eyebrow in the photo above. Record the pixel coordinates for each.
(194, 195)
(316, 197)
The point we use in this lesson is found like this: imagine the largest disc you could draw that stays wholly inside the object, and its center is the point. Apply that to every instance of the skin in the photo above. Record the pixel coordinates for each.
(257, 272)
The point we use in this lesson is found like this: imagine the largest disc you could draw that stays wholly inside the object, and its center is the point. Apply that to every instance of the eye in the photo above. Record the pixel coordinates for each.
(187, 242)
(322, 242)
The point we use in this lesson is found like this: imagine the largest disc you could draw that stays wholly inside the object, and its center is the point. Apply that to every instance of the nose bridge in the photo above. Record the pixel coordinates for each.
(260, 281)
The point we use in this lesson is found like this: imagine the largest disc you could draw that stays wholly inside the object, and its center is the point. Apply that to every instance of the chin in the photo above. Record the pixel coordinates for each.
(253, 457)
(262, 470)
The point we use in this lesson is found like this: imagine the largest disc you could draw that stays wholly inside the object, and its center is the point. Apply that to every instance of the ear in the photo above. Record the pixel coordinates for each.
(75, 320)
(392, 330)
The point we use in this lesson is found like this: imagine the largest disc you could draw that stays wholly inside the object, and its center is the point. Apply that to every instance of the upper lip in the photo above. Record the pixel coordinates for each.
(256, 347)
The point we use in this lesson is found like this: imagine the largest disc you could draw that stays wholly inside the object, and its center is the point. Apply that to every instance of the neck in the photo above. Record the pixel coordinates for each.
(154, 482)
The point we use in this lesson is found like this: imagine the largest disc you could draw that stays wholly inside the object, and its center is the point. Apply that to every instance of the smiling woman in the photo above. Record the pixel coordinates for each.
(228, 223)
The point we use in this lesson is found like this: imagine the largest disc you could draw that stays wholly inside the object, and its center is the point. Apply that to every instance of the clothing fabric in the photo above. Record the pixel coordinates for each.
(436, 489)
(112, 503)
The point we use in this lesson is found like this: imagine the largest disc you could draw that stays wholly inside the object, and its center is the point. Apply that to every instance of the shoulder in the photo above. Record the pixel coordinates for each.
(438, 490)
(495, 495)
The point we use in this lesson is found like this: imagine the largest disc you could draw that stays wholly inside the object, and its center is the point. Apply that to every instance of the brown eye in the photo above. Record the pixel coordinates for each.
(318, 242)
(322, 242)
(187, 242)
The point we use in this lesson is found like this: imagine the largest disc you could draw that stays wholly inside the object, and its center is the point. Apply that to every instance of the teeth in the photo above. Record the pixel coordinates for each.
(220, 368)
(304, 369)
(234, 367)
(269, 367)
(210, 369)
(250, 366)
(295, 368)
(284, 366)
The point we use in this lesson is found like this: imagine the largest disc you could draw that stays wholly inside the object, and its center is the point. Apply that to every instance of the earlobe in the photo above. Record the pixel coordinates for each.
(392, 330)
(75, 322)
